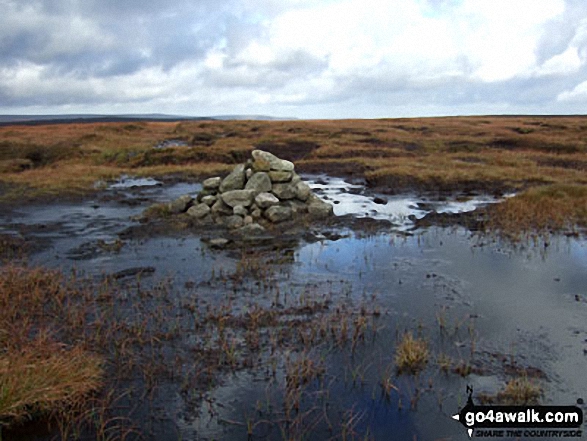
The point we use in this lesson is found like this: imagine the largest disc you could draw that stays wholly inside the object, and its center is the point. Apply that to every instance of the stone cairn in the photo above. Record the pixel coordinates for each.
(264, 191)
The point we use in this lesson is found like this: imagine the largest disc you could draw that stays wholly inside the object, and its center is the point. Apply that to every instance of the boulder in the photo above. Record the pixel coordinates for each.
(297, 207)
(278, 213)
(219, 208)
(240, 210)
(266, 200)
(235, 180)
(259, 182)
(303, 191)
(233, 198)
(199, 211)
(209, 200)
(212, 183)
(318, 209)
(284, 191)
(180, 205)
(233, 222)
(264, 158)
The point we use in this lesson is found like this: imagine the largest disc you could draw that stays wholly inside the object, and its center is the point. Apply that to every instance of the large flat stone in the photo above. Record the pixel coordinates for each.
(238, 197)
(274, 162)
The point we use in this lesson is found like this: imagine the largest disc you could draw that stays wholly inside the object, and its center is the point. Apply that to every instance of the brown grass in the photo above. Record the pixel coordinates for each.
(491, 154)
(39, 374)
(44, 376)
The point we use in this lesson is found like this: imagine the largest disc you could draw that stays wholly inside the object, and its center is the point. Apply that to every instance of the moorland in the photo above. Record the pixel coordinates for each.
(305, 329)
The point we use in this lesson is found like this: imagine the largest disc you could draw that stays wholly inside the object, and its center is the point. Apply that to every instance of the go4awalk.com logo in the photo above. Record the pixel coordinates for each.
(520, 421)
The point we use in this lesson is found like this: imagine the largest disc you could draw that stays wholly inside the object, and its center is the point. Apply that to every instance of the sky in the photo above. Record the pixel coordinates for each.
(294, 58)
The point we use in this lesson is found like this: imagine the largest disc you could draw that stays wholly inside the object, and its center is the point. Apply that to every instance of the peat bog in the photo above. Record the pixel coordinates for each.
(457, 257)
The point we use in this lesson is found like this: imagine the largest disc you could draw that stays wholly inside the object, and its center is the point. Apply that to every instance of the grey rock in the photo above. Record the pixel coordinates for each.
(278, 213)
(233, 222)
(221, 209)
(240, 210)
(280, 176)
(284, 191)
(265, 200)
(248, 220)
(256, 213)
(295, 178)
(235, 180)
(199, 211)
(259, 182)
(212, 183)
(297, 207)
(209, 200)
(303, 191)
(319, 209)
(180, 205)
(274, 162)
(233, 198)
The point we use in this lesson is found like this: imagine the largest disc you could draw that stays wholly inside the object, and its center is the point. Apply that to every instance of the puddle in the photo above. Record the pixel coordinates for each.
(351, 199)
(495, 302)
(133, 182)
(168, 143)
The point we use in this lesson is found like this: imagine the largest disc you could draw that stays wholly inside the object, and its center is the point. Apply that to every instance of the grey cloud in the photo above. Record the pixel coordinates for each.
(560, 31)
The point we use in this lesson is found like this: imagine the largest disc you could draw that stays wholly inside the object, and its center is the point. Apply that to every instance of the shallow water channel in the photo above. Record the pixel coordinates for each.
(496, 308)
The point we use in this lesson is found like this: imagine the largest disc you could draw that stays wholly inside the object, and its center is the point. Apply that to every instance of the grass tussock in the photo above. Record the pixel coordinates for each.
(44, 376)
(411, 355)
(542, 210)
(520, 391)
(39, 374)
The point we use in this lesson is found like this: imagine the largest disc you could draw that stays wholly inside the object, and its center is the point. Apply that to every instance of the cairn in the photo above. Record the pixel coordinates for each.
(257, 194)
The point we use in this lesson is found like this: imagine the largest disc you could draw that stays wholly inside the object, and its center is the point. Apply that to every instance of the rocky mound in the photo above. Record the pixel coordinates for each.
(256, 195)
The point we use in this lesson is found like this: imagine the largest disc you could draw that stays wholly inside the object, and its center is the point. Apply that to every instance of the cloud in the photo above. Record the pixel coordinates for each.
(296, 57)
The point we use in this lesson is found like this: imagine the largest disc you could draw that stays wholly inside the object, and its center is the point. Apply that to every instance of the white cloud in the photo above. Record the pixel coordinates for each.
(305, 56)
(577, 94)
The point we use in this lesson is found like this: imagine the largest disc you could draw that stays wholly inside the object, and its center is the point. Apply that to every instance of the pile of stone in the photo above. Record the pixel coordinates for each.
(264, 191)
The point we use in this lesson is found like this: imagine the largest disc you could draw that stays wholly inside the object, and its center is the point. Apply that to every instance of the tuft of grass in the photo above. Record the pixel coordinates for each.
(520, 391)
(43, 377)
(411, 354)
